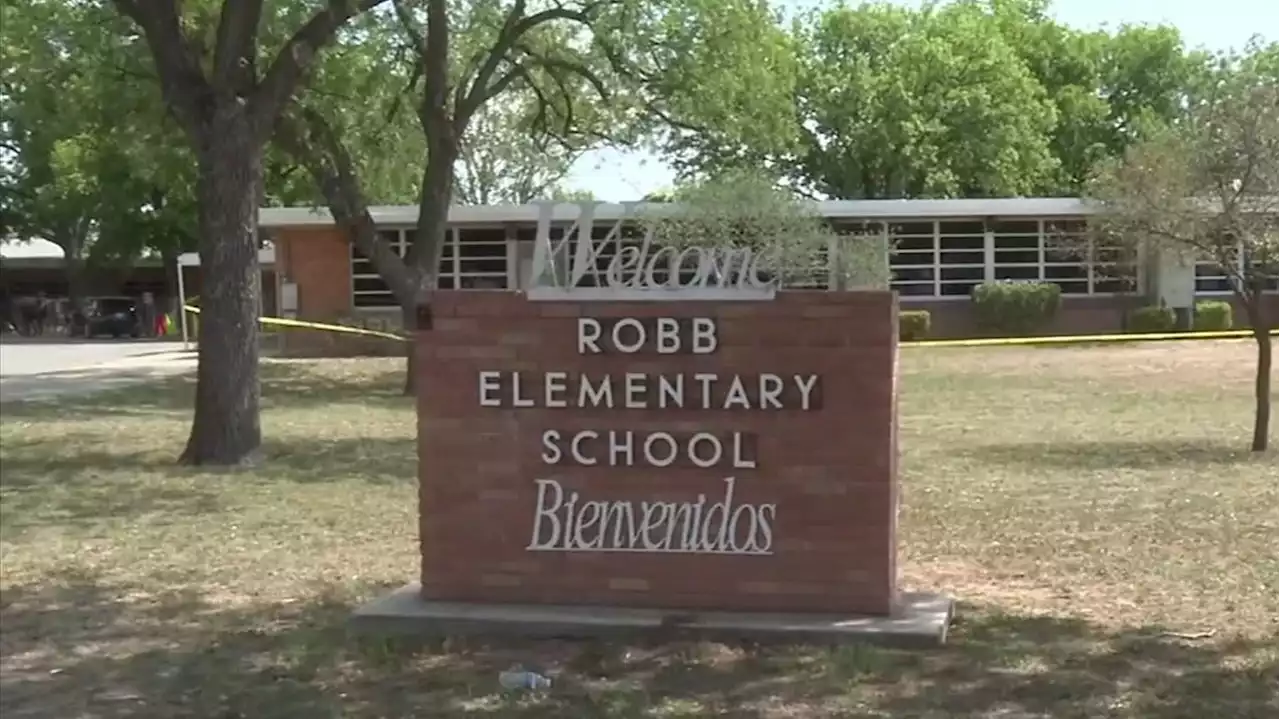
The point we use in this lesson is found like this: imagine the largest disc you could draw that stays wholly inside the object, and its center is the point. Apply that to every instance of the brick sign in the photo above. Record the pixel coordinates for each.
(711, 455)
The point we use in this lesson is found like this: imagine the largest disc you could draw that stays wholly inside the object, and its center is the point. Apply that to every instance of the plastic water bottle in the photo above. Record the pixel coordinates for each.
(518, 678)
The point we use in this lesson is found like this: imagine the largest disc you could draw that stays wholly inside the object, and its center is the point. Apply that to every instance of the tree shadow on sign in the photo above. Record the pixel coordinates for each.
(166, 650)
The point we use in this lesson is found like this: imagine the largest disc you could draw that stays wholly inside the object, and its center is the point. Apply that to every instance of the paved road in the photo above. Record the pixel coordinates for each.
(28, 358)
(35, 370)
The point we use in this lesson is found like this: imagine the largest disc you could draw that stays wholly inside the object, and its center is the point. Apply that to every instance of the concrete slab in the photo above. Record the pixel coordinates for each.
(921, 621)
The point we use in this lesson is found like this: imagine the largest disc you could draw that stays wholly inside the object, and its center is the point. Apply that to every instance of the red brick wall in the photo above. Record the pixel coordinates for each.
(318, 259)
(830, 471)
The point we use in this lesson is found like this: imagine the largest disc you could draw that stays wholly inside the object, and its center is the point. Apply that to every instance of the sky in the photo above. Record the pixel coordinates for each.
(615, 175)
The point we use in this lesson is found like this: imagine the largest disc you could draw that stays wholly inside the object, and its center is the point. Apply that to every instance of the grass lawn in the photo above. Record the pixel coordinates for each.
(1112, 545)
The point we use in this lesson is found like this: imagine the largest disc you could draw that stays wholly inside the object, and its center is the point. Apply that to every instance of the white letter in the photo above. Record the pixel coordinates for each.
(615, 449)
(749, 546)
(583, 522)
(668, 336)
(601, 396)
(575, 448)
(705, 379)
(551, 453)
(544, 511)
(635, 390)
(516, 399)
(766, 513)
(651, 268)
(652, 522)
(588, 335)
(737, 395)
(672, 450)
(722, 535)
(806, 389)
(739, 461)
(704, 335)
(617, 334)
(555, 386)
(490, 382)
(770, 391)
(715, 443)
(670, 391)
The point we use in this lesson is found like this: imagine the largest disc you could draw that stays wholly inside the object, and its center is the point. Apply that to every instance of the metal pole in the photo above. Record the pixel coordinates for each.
(182, 306)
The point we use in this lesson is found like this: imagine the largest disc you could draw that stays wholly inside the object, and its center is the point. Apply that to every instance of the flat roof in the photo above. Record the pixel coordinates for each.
(394, 215)
(34, 248)
(266, 256)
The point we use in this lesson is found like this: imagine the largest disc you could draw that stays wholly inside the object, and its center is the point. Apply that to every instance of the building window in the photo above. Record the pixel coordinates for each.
(1213, 279)
(914, 262)
(948, 258)
(961, 257)
(470, 259)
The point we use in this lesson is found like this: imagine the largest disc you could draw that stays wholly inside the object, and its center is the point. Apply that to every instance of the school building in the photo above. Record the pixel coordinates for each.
(941, 249)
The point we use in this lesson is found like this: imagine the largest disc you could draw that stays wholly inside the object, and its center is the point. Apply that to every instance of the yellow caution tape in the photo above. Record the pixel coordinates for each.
(982, 342)
(1083, 339)
(283, 322)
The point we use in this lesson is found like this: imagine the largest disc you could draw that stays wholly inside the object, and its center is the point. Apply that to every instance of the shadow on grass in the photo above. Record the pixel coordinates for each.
(66, 480)
(1104, 454)
(287, 385)
(176, 654)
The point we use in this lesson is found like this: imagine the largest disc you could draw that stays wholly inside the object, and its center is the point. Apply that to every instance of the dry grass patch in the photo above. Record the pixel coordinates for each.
(1082, 504)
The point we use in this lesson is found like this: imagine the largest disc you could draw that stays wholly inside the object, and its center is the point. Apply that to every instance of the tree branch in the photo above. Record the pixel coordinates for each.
(307, 137)
(295, 59)
(182, 81)
(235, 49)
(410, 26)
(513, 31)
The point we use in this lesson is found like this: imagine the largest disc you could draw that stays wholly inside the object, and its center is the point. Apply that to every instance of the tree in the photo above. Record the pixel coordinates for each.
(547, 60)
(502, 161)
(746, 209)
(206, 57)
(720, 83)
(84, 134)
(1206, 189)
(931, 103)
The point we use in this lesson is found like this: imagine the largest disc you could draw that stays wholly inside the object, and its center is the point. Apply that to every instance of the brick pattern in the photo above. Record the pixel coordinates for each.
(831, 471)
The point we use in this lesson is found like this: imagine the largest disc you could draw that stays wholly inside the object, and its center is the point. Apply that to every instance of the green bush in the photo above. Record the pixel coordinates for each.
(1015, 308)
(913, 325)
(1153, 319)
(1213, 316)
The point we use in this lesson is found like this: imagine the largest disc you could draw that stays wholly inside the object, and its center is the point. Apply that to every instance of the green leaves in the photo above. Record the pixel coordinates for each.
(968, 99)
(746, 209)
(95, 151)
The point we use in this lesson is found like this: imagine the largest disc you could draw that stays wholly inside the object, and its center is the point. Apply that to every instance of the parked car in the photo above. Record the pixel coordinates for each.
(115, 316)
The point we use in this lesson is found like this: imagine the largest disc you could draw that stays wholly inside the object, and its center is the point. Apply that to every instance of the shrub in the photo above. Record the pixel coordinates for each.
(1153, 319)
(1013, 307)
(1212, 316)
(913, 325)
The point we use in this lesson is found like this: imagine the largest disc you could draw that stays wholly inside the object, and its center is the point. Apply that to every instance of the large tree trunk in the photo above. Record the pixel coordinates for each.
(429, 240)
(1257, 311)
(76, 274)
(226, 430)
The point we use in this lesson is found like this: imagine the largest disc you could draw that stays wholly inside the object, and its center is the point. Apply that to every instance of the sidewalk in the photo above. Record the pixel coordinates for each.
(108, 375)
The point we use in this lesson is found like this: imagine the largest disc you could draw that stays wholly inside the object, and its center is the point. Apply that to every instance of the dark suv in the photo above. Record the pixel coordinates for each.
(115, 316)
